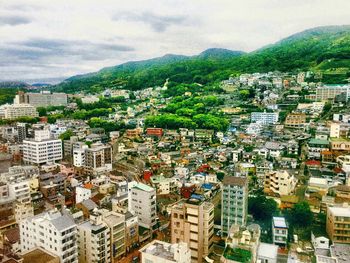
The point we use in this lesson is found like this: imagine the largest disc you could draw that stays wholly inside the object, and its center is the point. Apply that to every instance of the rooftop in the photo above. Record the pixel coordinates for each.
(160, 249)
(340, 211)
(279, 222)
(234, 180)
(144, 187)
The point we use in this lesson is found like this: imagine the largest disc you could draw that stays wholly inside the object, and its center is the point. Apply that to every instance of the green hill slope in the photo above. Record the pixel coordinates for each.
(324, 49)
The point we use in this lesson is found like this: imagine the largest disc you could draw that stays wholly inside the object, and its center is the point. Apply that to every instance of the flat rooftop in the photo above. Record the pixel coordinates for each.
(279, 222)
(159, 249)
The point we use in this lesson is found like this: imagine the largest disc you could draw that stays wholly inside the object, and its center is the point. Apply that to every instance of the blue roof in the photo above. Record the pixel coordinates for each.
(207, 186)
(198, 197)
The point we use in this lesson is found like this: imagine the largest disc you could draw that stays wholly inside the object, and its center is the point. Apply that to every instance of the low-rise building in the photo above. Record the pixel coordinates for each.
(279, 183)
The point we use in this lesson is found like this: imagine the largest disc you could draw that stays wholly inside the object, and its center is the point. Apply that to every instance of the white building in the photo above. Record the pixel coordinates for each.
(279, 231)
(79, 154)
(143, 203)
(330, 92)
(20, 190)
(81, 194)
(15, 111)
(41, 151)
(163, 252)
(94, 240)
(279, 182)
(265, 118)
(52, 231)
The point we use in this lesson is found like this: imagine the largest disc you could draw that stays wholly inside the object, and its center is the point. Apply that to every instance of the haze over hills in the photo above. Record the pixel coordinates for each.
(323, 49)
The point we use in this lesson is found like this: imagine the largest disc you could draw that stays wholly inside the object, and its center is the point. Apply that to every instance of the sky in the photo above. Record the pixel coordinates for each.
(50, 40)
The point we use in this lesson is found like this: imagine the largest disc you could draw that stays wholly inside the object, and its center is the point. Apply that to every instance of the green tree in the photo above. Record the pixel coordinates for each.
(262, 208)
(300, 215)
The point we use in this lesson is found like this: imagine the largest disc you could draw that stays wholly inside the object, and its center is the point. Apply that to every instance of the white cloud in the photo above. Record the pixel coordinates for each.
(58, 38)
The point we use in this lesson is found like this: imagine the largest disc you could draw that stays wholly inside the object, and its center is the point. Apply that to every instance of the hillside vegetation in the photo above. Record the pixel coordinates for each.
(323, 49)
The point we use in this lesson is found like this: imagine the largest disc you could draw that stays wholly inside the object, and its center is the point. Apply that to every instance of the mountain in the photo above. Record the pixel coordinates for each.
(13, 85)
(322, 49)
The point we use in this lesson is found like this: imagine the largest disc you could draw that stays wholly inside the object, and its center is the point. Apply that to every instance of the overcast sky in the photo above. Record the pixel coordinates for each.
(60, 38)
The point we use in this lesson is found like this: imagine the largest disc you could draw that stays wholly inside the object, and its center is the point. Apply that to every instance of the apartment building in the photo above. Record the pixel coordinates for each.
(279, 183)
(338, 224)
(20, 191)
(339, 129)
(265, 118)
(94, 240)
(340, 144)
(279, 231)
(15, 111)
(143, 203)
(295, 120)
(131, 230)
(42, 99)
(234, 202)
(7, 210)
(98, 158)
(192, 222)
(163, 252)
(116, 225)
(53, 231)
(79, 154)
(330, 92)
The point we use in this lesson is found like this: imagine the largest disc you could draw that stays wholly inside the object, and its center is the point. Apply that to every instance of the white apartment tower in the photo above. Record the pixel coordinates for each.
(52, 231)
(143, 203)
(234, 202)
(42, 149)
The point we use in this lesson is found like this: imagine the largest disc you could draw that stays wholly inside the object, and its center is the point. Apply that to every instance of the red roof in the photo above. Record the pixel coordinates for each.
(313, 163)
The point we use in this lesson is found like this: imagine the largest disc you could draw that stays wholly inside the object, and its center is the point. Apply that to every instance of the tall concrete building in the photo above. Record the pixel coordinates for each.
(234, 203)
(98, 158)
(143, 203)
(162, 252)
(338, 224)
(42, 99)
(192, 222)
(52, 231)
(94, 240)
(42, 149)
(116, 225)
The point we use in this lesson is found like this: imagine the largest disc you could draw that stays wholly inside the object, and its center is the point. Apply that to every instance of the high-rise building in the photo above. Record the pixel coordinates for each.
(52, 231)
(234, 202)
(116, 224)
(143, 203)
(163, 252)
(94, 240)
(42, 99)
(42, 150)
(338, 224)
(192, 222)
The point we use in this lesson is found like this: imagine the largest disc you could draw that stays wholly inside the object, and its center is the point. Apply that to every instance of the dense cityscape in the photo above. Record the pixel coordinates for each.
(122, 141)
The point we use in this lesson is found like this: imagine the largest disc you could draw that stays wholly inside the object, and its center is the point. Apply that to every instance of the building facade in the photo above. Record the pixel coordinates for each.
(338, 224)
(234, 202)
(143, 203)
(192, 222)
(52, 231)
